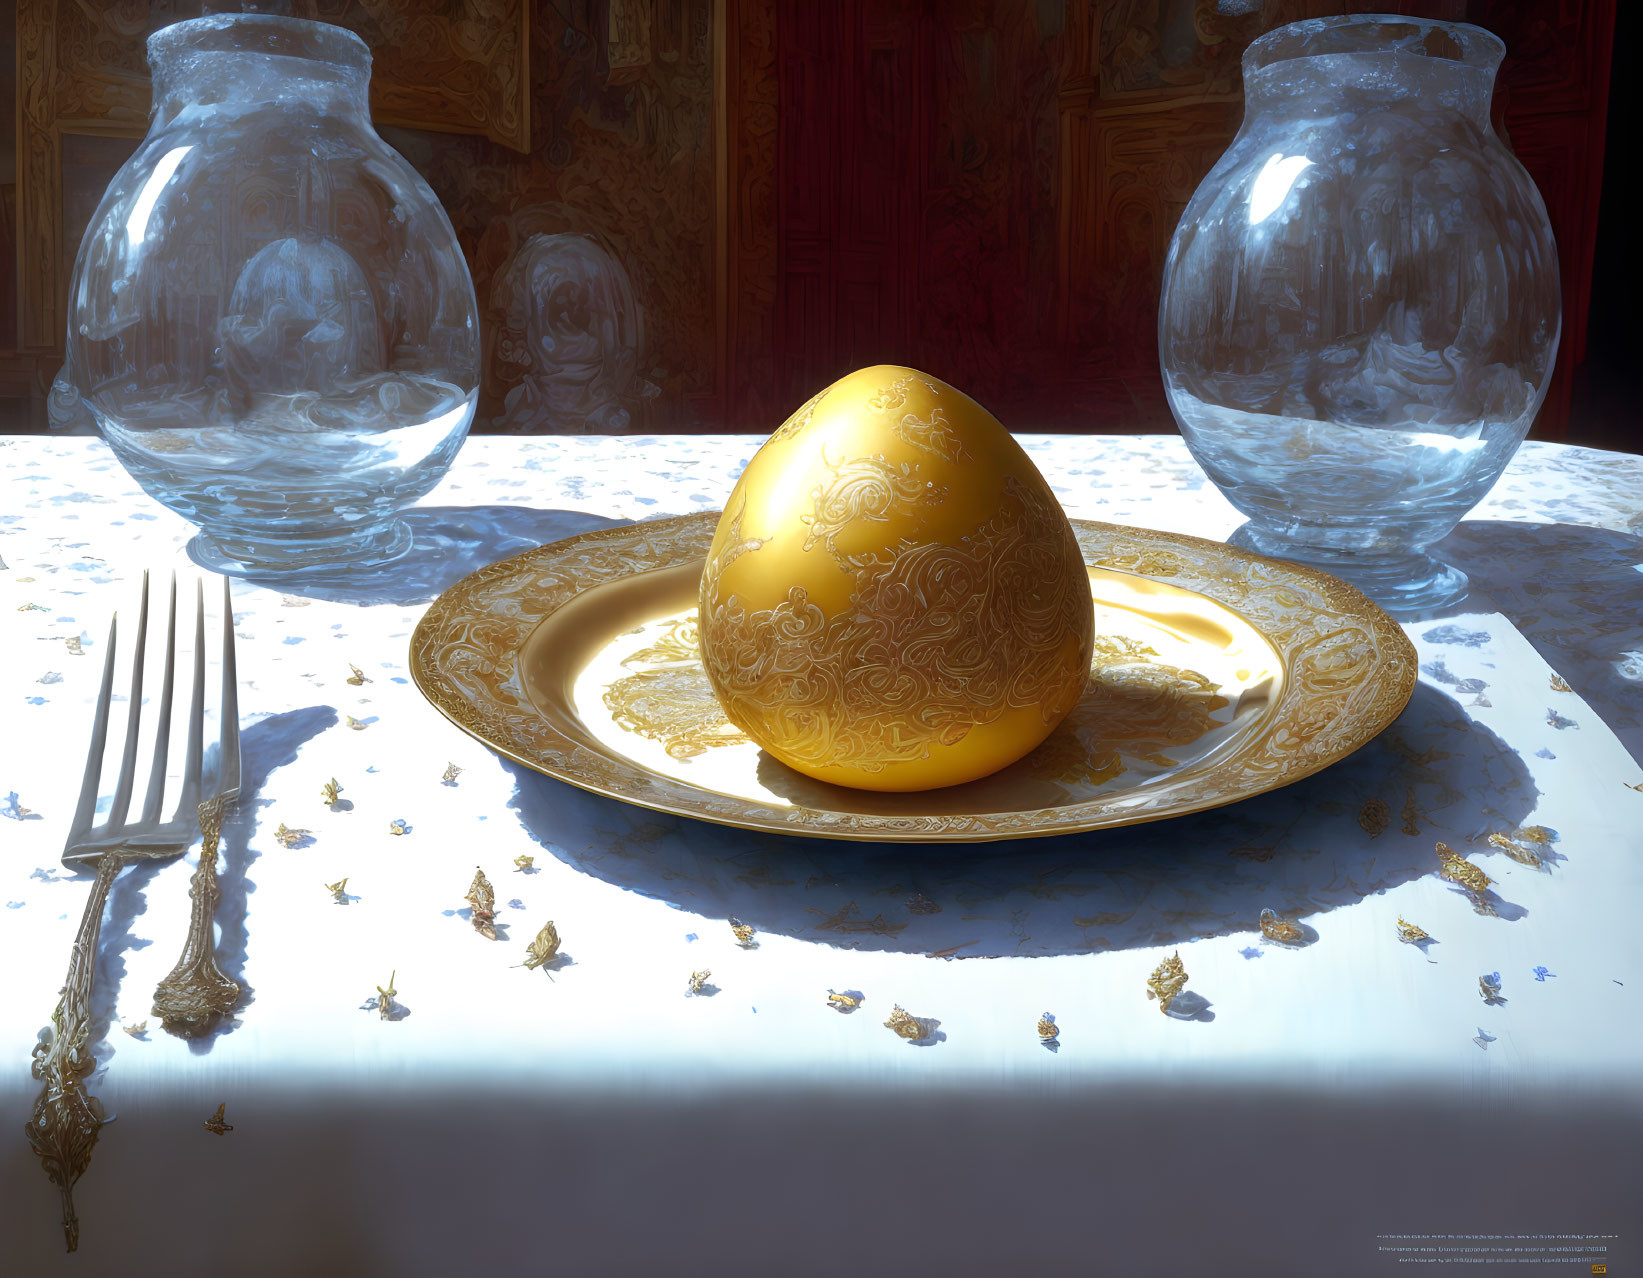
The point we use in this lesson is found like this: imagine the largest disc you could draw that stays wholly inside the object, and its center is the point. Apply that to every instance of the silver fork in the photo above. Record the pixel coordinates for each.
(191, 999)
(67, 1119)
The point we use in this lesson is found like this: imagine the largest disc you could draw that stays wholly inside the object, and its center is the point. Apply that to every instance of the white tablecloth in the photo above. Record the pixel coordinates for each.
(1328, 1104)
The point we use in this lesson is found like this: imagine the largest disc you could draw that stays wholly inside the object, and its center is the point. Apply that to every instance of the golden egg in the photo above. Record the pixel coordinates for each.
(894, 599)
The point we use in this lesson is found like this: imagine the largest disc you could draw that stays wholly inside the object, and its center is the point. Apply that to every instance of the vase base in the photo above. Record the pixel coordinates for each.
(1402, 584)
(307, 559)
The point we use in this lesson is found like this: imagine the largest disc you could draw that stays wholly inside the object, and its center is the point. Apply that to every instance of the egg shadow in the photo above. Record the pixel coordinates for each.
(1318, 845)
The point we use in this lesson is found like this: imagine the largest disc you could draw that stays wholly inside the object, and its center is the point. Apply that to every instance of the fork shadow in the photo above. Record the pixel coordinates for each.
(264, 746)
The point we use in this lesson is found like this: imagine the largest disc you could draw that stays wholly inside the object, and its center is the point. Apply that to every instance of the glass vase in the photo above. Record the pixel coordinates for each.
(270, 319)
(1360, 308)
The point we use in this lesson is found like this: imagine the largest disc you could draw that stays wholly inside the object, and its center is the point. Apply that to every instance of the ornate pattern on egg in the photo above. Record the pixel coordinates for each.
(894, 599)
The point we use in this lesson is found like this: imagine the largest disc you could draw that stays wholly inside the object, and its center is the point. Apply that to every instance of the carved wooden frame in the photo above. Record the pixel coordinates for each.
(54, 100)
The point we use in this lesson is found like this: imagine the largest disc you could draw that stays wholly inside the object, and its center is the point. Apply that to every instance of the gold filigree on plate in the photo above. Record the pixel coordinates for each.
(504, 652)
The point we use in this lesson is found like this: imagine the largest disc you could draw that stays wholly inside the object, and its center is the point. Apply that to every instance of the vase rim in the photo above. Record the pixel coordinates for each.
(1392, 34)
(266, 33)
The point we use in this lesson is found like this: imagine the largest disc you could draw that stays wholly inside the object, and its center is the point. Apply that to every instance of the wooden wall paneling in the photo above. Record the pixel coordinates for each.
(751, 105)
(1551, 103)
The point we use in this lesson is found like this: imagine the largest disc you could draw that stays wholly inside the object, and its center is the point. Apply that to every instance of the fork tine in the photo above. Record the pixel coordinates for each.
(87, 806)
(190, 800)
(162, 738)
(228, 752)
(121, 803)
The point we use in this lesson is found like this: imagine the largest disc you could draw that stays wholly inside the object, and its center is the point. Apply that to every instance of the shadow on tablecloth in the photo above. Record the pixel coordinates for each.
(450, 542)
(1361, 827)
(1576, 593)
(264, 746)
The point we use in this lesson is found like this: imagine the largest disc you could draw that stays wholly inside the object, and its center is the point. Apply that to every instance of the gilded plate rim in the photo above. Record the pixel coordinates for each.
(1349, 672)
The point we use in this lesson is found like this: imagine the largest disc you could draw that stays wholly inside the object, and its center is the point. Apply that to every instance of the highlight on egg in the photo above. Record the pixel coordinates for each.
(894, 599)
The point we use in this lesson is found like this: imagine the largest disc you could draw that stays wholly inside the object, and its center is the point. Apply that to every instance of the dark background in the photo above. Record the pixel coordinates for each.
(794, 188)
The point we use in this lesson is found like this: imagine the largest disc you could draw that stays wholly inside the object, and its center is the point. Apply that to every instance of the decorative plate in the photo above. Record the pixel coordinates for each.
(1218, 675)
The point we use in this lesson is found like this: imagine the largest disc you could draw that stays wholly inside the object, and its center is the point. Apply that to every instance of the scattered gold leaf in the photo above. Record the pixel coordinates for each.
(385, 997)
(452, 772)
(1048, 1030)
(744, 934)
(905, 1026)
(1277, 929)
(1409, 933)
(358, 677)
(483, 899)
(339, 890)
(698, 979)
(544, 947)
(1535, 834)
(354, 723)
(1457, 869)
(330, 792)
(289, 837)
(72, 643)
(1560, 684)
(215, 1123)
(136, 1028)
(842, 1000)
(523, 862)
(1167, 981)
(1527, 856)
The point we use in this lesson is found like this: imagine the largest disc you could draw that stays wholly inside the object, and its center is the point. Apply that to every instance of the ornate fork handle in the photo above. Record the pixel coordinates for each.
(67, 1118)
(191, 999)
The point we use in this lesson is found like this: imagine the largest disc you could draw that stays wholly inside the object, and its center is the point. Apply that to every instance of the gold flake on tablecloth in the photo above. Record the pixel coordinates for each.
(483, 899)
(452, 772)
(136, 1028)
(215, 1123)
(522, 863)
(1280, 930)
(398, 826)
(355, 724)
(1458, 870)
(744, 935)
(338, 891)
(1167, 981)
(289, 837)
(1048, 1030)
(544, 947)
(1559, 684)
(905, 1025)
(698, 980)
(1519, 853)
(385, 997)
(1409, 933)
(358, 676)
(330, 792)
(72, 643)
(847, 1002)
(1535, 834)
